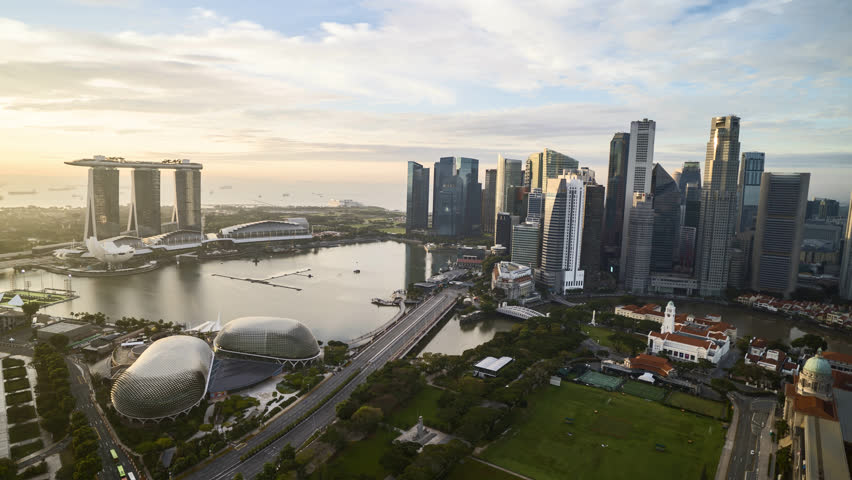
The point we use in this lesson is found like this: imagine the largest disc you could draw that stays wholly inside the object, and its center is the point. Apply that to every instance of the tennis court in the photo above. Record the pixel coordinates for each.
(600, 380)
(644, 390)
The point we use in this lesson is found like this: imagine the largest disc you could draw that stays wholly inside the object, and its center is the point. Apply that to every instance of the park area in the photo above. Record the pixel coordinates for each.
(596, 434)
(644, 390)
(42, 299)
(425, 404)
(698, 405)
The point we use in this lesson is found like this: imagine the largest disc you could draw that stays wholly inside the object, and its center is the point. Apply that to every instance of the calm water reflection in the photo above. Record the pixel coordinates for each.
(454, 338)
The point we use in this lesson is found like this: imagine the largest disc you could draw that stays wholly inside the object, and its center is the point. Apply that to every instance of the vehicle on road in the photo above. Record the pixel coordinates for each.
(121, 472)
(113, 454)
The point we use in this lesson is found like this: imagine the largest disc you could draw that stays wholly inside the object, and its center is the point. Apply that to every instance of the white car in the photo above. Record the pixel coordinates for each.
(752, 452)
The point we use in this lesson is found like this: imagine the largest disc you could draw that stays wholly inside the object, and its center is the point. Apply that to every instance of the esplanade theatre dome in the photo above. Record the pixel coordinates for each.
(169, 378)
(276, 339)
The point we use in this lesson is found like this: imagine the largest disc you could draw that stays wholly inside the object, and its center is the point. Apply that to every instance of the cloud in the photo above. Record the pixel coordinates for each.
(437, 78)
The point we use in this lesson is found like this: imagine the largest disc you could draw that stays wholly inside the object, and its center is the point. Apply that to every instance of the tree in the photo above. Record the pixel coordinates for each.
(781, 428)
(238, 476)
(367, 418)
(8, 469)
(59, 341)
(811, 342)
(30, 309)
(399, 456)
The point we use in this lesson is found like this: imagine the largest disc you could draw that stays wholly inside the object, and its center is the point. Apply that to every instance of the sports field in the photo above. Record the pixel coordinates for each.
(600, 380)
(542, 445)
(698, 405)
(41, 298)
(644, 390)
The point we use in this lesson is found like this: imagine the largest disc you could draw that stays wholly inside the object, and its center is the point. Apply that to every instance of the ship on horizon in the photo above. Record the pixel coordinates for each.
(23, 192)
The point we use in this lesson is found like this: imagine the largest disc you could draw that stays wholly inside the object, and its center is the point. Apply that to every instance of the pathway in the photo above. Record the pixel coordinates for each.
(498, 467)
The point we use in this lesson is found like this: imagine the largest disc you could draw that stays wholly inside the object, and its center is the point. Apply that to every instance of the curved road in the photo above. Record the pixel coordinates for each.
(396, 340)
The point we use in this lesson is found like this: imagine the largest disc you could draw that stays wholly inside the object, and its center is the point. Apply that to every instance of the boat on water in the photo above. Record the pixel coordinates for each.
(285, 194)
(63, 188)
(23, 192)
(357, 271)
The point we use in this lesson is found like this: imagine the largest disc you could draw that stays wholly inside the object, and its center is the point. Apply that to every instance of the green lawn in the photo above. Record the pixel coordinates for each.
(598, 334)
(539, 444)
(469, 468)
(644, 390)
(16, 398)
(20, 451)
(40, 298)
(698, 405)
(17, 384)
(424, 403)
(362, 458)
(23, 431)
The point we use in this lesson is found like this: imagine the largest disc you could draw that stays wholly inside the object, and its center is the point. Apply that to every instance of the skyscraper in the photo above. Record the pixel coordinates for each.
(144, 218)
(778, 238)
(561, 245)
(510, 173)
(828, 208)
(637, 263)
(467, 170)
(613, 229)
(525, 243)
(846, 259)
(640, 164)
(666, 204)
(548, 164)
(751, 170)
(417, 198)
(503, 230)
(102, 204)
(446, 198)
(692, 205)
(535, 206)
(590, 258)
(489, 200)
(187, 211)
(718, 205)
(517, 202)
(689, 173)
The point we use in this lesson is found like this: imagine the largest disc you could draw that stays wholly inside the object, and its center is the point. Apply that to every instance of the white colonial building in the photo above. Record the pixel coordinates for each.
(514, 279)
(689, 339)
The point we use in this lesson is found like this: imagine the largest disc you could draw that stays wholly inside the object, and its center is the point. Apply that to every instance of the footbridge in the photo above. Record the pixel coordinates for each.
(523, 313)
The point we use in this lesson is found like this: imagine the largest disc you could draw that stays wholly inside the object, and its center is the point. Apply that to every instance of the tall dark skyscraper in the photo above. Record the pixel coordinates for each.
(144, 218)
(689, 173)
(503, 230)
(718, 205)
(828, 208)
(489, 201)
(417, 198)
(457, 197)
(615, 199)
(778, 238)
(510, 173)
(637, 263)
(692, 205)
(846, 258)
(590, 256)
(666, 202)
(751, 170)
(535, 206)
(187, 212)
(102, 204)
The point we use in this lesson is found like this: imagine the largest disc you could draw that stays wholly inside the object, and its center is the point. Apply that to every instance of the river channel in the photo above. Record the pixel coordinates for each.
(334, 302)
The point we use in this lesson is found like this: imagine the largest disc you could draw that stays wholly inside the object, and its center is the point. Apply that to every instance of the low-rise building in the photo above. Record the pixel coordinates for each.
(10, 318)
(651, 364)
(490, 366)
(840, 362)
(74, 331)
(690, 339)
(471, 257)
(514, 279)
(769, 359)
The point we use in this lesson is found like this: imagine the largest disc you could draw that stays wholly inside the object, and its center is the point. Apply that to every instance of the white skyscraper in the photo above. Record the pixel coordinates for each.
(640, 165)
(638, 253)
(563, 233)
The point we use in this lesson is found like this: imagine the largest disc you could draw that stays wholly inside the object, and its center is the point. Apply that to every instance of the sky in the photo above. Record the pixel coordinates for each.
(351, 91)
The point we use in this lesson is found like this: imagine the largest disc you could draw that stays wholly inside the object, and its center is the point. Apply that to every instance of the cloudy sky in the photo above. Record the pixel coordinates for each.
(350, 91)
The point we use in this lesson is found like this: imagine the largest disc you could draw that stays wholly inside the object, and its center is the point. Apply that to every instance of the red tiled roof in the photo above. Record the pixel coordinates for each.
(837, 357)
(651, 363)
(842, 380)
(758, 342)
(815, 406)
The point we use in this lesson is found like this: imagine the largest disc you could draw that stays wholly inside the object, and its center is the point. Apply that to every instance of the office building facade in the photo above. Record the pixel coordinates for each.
(467, 169)
(689, 173)
(489, 201)
(503, 230)
(751, 170)
(510, 173)
(548, 164)
(417, 198)
(561, 245)
(619, 148)
(666, 202)
(780, 226)
(102, 204)
(526, 239)
(846, 259)
(535, 206)
(640, 168)
(637, 267)
(590, 257)
(718, 205)
(446, 198)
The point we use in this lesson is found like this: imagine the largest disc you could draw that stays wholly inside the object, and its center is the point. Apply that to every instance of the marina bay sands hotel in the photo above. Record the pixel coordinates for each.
(102, 217)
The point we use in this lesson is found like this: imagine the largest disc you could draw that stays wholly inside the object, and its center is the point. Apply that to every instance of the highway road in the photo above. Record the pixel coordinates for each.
(399, 338)
(80, 388)
(754, 415)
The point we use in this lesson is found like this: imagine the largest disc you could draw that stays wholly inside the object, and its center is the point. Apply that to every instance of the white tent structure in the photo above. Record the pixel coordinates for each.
(16, 301)
(647, 377)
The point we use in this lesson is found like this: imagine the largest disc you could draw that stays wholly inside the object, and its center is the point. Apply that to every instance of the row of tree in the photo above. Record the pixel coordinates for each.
(84, 446)
(54, 401)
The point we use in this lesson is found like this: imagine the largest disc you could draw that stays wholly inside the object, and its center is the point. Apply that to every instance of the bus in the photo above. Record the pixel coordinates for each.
(113, 454)
(121, 472)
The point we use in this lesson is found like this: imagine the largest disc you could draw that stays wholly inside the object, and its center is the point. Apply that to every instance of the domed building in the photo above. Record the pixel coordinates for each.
(811, 412)
(274, 339)
(168, 379)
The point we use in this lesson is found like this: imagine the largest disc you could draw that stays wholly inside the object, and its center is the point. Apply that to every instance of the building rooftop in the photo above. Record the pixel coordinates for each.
(493, 364)
(120, 162)
(62, 327)
(837, 357)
